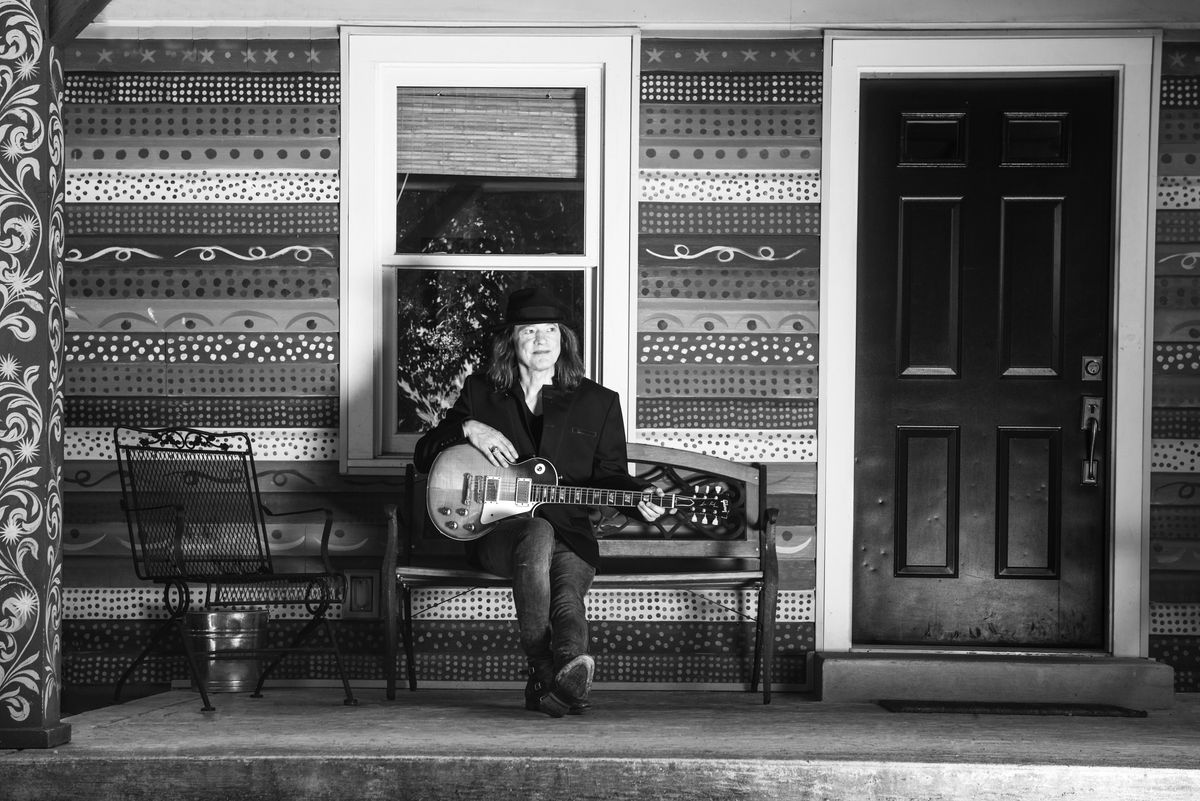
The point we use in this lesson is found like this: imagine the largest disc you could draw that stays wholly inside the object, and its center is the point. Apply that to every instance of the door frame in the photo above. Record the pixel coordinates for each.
(1134, 57)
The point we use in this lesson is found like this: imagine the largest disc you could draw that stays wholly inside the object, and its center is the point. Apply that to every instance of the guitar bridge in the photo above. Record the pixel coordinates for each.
(468, 490)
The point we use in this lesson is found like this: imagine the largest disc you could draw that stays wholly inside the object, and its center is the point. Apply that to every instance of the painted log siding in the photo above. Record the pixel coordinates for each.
(202, 289)
(210, 299)
(1175, 420)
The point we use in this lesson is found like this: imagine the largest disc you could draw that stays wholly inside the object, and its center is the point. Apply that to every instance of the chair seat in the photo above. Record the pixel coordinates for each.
(278, 588)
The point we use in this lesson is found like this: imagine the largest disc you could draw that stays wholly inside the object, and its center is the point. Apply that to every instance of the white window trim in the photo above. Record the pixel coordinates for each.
(1133, 56)
(371, 59)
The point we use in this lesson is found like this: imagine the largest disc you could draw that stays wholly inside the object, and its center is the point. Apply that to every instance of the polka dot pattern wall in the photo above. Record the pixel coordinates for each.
(729, 146)
(202, 289)
(1175, 421)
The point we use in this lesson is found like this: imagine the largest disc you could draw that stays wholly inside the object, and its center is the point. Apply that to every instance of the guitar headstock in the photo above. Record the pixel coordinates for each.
(707, 505)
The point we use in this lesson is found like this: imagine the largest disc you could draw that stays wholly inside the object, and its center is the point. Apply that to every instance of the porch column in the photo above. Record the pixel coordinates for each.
(32, 343)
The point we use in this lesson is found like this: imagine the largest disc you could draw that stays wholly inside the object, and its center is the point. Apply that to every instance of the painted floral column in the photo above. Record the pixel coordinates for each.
(31, 406)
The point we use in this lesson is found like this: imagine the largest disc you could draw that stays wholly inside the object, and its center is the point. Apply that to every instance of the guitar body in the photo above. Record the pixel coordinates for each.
(466, 494)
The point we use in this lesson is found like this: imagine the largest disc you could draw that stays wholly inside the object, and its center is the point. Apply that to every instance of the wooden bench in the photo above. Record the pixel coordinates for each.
(737, 553)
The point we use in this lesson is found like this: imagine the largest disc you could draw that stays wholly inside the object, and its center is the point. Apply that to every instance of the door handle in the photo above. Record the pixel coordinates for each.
(1093, 410)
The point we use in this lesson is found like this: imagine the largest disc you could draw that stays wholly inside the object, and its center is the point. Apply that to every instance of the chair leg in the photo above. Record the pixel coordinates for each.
(159, 635)
(337, 658)
(191, 660)
(410, 659)
(303, 635)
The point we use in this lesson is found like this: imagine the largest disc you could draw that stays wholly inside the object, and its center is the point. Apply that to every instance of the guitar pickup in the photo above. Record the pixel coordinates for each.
(491, 489)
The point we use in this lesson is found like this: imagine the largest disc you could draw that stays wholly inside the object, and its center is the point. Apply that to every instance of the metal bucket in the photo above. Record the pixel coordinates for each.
(228, 630)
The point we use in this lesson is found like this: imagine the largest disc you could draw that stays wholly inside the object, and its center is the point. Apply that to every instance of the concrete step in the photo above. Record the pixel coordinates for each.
(869, 677)
(298, 744)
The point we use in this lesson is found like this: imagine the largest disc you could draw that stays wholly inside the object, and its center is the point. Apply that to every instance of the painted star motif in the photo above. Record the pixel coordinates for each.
(750, 55)
(248, 55)
(1177, 59)
(206, 56)
(702, 55)
(269, 56)
(654, 55)
(103, 56)
(148, 55)
(793, 55)
(313, 56)
(189, 55)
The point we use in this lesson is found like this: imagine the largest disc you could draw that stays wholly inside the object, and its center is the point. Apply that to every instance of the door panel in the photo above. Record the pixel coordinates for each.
(983, 281)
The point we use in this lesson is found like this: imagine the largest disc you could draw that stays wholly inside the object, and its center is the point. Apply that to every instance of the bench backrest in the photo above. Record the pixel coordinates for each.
(739, 536)
(192, 503)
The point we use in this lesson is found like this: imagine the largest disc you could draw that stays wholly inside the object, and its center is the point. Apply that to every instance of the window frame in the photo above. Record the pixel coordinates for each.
(604, 62)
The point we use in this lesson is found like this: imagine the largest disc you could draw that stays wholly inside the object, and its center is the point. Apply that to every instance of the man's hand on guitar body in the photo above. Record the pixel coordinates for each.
(490, 442)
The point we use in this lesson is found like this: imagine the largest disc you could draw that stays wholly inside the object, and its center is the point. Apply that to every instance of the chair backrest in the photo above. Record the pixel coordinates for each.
(739, 536)
(192, 503)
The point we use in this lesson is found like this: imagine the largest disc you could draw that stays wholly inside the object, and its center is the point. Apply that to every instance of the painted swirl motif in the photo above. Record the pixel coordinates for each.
(26, 299)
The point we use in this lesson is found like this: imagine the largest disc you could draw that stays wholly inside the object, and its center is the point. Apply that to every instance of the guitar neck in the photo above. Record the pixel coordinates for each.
(584, 496)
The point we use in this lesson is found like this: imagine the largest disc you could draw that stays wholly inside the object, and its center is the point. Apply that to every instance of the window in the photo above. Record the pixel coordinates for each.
(474, 162)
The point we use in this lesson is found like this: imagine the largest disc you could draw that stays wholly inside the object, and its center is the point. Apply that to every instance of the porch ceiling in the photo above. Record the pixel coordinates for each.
(675, 15)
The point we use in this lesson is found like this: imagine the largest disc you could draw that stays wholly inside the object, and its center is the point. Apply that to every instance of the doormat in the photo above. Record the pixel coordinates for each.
(1005, 708)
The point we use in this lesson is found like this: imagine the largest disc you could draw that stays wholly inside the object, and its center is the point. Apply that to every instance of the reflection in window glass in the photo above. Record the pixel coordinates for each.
(489, 170)
(444, 321)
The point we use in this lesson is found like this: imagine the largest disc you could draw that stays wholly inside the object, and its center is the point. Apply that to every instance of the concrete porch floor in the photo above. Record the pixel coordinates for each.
(441, 744)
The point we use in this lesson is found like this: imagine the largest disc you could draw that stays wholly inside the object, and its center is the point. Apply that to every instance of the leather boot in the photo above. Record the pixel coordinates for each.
(541, 677)
(570, 689)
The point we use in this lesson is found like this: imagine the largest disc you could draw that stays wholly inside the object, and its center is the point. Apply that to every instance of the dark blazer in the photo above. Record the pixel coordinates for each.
(583, 436)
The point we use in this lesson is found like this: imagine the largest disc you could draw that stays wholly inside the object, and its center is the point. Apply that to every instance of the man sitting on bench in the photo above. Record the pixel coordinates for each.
(534, 400)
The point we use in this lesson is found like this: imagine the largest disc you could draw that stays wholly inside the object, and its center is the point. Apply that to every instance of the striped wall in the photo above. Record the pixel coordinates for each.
(201, 284)
(1175, 422)
(202, 289)
(729, 156)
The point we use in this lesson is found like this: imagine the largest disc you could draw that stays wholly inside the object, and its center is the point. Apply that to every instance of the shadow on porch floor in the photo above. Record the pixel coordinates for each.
(439, 743)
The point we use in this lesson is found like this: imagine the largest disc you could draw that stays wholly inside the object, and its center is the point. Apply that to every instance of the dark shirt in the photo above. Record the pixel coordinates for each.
(581, 432)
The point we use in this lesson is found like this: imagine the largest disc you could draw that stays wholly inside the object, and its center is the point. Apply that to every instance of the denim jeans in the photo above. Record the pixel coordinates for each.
(549, 584)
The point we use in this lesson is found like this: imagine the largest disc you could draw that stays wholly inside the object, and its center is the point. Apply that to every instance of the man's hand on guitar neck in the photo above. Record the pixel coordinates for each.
(490, 442)
(651, 511)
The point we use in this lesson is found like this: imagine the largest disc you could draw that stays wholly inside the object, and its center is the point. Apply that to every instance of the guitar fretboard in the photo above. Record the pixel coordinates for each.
(491, 489)
(552, 493)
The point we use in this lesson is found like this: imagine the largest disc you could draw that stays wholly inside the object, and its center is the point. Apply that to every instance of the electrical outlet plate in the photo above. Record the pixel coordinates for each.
(362, 594)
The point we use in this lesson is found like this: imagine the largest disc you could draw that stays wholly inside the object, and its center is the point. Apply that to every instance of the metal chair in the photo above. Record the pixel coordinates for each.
(195, 516)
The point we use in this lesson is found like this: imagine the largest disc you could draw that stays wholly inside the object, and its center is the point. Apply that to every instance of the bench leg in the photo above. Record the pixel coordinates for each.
(768, 600)
(391, 647)
(410, 660)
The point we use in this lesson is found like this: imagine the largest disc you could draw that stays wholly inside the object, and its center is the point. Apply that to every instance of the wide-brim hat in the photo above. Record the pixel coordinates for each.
(532, 305)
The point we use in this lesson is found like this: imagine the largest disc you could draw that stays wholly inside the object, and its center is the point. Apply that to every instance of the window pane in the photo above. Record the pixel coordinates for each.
(444, 320)
(489, 170)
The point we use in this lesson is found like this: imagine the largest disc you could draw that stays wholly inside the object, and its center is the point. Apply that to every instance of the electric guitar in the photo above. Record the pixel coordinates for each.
(466, 494)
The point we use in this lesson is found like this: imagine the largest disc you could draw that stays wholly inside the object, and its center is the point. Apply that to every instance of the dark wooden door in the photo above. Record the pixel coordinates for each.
(984, 286)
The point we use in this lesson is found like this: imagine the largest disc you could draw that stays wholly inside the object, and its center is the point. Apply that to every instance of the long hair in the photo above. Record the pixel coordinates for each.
(568, 370)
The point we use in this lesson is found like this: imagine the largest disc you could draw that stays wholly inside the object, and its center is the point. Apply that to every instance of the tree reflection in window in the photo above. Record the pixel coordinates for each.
(444, 322)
